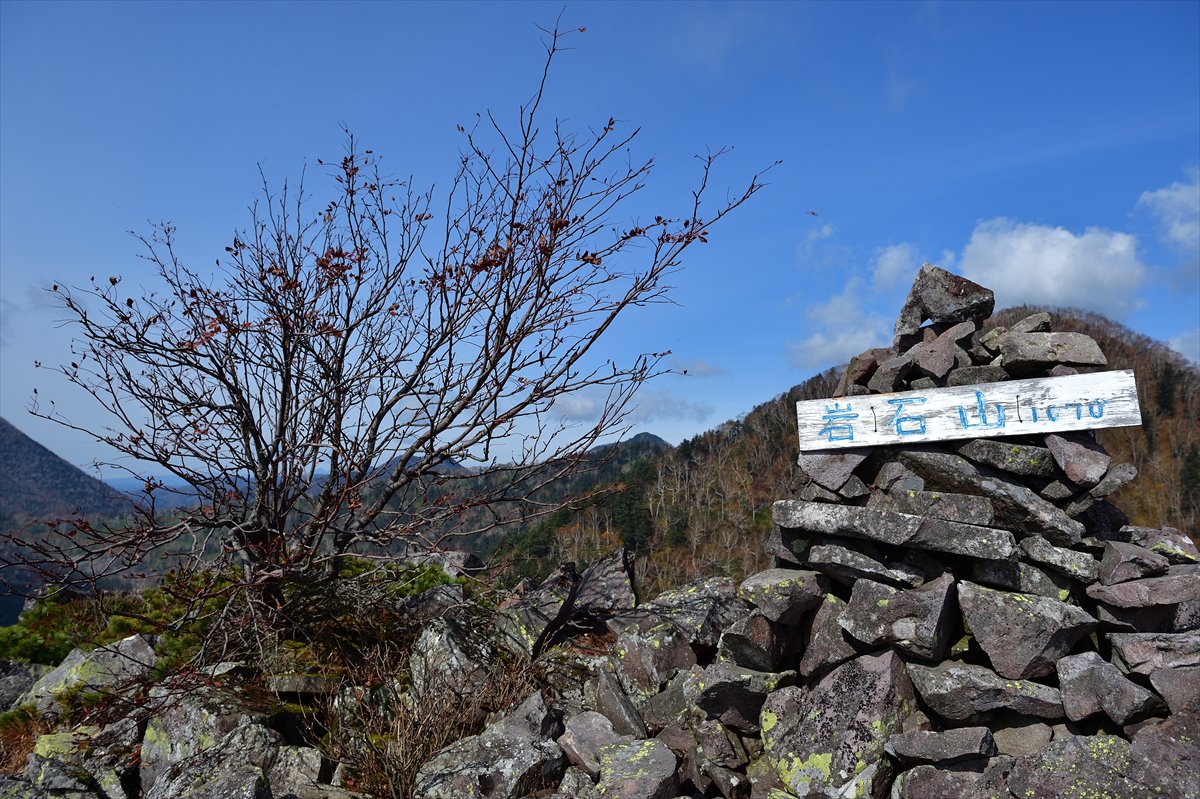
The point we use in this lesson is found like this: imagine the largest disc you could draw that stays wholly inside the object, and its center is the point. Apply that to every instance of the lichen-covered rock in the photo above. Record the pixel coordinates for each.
(637, 770)
(233, 768)
(700, 610)
(1021, 577)
(1089, 685)
(896, 529)
(831, 470)
(943, 298)
(603, 693)
(752, 642)
(448, 656)
(963, 508)
(783, 595)
(1082, 460)
(1081, 767)
(1077, 565)
(916, 621)
(203, 729)
(1017, 507)
(513, 757)
(828, 740)
(1022, 459)
(1167, 541)
(647, 661)
(734, 695)
(526, 626)
(86, 761)
(1022, 634)
(583, 737)
(958, 691)
(115, 668)
(957, 780)
(847, 566)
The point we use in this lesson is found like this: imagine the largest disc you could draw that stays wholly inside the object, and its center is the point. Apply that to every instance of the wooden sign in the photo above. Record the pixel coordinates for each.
(1013, 408)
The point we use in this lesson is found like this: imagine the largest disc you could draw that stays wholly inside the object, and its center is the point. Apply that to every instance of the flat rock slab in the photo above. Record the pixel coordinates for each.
(951, 746)
(1022, 578)
(957, 691)
(1123, 562)
(896, 529)
(1022, 634)
(700, 610)
(963, 508)
(784, 595)
(1090, 685)
(1017, 507)
(847, 566)
(1146, 653)
(1172, 589)
(943, 298)
(916, 621)
(1167, 541)
(828, 740)
(638, 770)
(1032, 351)
(1019, 459)
(1090, 766)
(1077, 565)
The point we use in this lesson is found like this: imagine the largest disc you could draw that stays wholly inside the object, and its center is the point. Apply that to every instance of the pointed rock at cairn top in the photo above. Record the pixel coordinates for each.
(943, 298)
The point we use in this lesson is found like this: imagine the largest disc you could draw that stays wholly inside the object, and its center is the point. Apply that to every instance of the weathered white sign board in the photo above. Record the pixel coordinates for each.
(1013, 408)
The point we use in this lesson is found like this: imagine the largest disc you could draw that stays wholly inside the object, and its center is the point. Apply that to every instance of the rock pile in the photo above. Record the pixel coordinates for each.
(972, 620)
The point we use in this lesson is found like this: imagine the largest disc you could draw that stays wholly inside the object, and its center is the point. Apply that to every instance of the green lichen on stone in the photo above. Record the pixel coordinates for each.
(768, 721)
(798, 773)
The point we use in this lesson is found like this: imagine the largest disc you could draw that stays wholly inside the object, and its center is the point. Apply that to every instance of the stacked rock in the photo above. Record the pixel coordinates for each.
(1027, 632)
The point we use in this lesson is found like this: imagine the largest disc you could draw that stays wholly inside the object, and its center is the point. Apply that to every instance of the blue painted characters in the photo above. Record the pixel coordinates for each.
(843, 430)
(909, 424)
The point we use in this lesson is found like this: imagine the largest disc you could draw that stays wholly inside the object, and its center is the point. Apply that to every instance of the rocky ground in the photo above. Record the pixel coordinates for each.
(972, 619)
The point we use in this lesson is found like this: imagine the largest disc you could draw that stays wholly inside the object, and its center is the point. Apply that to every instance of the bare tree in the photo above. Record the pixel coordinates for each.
(350, 364)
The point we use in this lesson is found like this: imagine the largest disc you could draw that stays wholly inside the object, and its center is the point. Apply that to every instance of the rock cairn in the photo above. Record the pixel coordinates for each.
(974, 620)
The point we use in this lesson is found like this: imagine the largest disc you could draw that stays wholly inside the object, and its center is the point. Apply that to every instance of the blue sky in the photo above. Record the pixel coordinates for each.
(1047, 150)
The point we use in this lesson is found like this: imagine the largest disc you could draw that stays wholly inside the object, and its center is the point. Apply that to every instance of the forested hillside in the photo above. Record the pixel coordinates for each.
(705, 506)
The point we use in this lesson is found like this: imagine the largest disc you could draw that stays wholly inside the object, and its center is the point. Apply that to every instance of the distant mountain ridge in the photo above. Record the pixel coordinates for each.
(36, 484)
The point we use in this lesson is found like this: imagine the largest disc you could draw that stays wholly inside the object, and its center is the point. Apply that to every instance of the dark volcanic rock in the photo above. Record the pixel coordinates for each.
(1032, 351)
(951, 746)
(527, 625)
(915, 621)
(890, 375)
(1168, 542)
(828, 740)
(1082, 460)
(1146, 653)
(584, 735)
(700, 610)
(637, 770)
(933, 358)
(509, 759)
(1021, 578)
(783, 595)
(1076, 565)
(831, 470)
(752, 642)
(1019, 459)
(1124, 562)
(1022, 634)
(1017, 507)
(942, 297)
(1089, 685)
(1180, 687)
(976, 375)
(828, 644)
(958, 691)
(846, 566)
(647, 661)
(607, 585)
(734, 695)
(1095, 766)
(605, 695)
(1172, 589)
(963, 508)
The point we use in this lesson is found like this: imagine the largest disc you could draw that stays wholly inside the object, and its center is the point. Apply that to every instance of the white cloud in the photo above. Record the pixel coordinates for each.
(648, 405)
(1177, 209)
(815, 235)
(694, 368)
(1026, 263)
(1187, 344)
(843, 330)
(895, 264)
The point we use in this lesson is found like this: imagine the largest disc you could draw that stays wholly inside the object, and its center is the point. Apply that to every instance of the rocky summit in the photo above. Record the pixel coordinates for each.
(973, 619)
